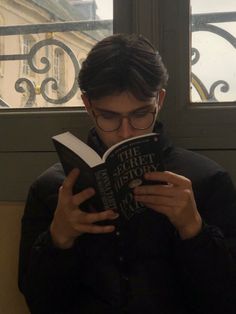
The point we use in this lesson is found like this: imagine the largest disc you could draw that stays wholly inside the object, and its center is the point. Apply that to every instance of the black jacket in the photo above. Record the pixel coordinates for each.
(143, 267)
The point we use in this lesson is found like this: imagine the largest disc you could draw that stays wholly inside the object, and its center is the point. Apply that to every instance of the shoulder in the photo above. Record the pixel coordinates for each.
(212, 185)
(48, 183)
(194, 166)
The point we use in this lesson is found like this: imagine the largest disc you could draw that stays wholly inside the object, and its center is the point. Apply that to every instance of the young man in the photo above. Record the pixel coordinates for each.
(178, 256)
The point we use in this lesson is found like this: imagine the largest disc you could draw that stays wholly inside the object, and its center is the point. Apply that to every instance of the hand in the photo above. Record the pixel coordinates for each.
(175, 200)
(70, 221)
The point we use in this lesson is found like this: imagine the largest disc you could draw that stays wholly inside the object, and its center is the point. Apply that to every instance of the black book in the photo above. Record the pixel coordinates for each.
(113, 176)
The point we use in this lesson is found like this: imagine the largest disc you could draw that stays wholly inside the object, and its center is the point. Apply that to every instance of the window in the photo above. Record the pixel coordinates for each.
(27, 43)
(195, 122)
(59, 71)
(27, 149)
(46, 45)
(213, 51)
(39, 97)
(1, 51)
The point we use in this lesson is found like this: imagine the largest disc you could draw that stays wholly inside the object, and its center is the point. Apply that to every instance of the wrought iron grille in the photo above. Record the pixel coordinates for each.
(199, 22)
(207, 23)
(26, 85)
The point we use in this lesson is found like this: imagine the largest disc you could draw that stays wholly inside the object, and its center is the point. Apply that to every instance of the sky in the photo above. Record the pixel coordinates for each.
(208, 43)
(203, 6)
(215, 50)
(105, 9)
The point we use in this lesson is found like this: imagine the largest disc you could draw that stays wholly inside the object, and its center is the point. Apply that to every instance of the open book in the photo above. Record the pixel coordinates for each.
(113, 176)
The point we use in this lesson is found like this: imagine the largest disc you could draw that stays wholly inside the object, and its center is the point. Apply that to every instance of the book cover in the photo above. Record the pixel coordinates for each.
(113, 176)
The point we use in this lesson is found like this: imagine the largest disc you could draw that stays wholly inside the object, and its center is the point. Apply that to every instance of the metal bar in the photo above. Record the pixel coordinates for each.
(220, 17)
(13, 57)
(205, 23)
(216, 30)
(3, 104)
(54, 27)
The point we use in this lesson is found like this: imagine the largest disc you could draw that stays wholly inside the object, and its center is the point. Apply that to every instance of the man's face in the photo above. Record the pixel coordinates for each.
(121, 106)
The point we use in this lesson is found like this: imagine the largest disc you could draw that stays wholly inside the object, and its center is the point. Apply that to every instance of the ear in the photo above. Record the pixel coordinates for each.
(162, 94)
(86, 102)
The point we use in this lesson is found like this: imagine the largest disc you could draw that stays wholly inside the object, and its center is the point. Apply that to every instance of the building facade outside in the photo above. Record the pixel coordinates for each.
(38, 67)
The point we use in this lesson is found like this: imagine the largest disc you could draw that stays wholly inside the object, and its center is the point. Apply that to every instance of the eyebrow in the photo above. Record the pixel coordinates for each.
(101, 110)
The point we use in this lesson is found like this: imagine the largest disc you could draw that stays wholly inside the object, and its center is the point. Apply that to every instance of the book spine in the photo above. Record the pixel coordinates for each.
(105, 189)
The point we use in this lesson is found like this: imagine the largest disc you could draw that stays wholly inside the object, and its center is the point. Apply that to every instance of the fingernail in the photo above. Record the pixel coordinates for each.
(115, 215)
(75, 171)
(91, 191)
(136, 190)
(147, 175)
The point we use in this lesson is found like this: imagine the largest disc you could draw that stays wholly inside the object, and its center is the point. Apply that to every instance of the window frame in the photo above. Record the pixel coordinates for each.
(53, 120)
(29, 131)
(194, 126)
(194, 120)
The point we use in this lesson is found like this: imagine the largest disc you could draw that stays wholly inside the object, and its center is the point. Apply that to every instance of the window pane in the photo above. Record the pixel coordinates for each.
(213, 59)
(42, 46)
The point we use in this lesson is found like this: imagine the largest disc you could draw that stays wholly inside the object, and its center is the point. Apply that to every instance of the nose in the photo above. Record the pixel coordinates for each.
(125, 131)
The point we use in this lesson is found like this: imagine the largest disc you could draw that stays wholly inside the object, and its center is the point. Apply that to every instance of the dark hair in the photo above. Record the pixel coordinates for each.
(120, 63)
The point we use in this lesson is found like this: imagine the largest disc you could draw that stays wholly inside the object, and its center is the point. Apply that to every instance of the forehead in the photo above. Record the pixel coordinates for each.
(121, 103)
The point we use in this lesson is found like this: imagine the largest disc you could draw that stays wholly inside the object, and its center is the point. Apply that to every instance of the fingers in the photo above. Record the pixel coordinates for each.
(169, 196)
(66, 191)
(86, 222)
(169, 178)
(176, 185)
(159, 200)
(82, 196)
(70, 221)
(105, 215)
(161, 209)
(70, 180)
(91, 218)
(161, 190)
(95, 228)
(175, 200)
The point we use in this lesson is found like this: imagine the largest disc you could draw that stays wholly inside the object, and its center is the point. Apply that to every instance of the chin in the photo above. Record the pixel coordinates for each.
(111, 144)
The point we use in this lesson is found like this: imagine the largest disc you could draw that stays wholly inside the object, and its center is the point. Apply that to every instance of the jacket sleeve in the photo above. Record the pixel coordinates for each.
(45, 272)
(207, 262)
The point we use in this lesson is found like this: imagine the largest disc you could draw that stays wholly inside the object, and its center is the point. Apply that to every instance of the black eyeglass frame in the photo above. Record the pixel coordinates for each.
(128, 116)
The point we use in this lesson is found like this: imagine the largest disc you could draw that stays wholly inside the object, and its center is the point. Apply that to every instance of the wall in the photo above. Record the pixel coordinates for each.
(11, 300)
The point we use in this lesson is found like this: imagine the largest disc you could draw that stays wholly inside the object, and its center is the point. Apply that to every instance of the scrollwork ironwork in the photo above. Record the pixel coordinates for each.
(3, 104)
(200, 22)
(25, 85)
(195, 56)
(46, 62)
(224, 88)
(28, 90)
(203, 92)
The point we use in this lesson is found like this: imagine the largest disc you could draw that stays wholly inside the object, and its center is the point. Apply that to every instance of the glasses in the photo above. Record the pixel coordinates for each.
(111, 121)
